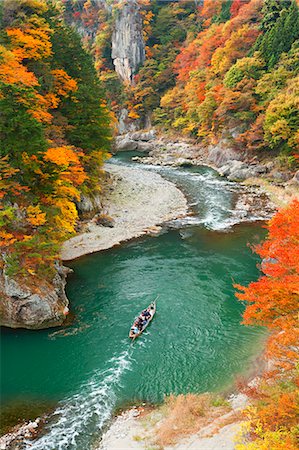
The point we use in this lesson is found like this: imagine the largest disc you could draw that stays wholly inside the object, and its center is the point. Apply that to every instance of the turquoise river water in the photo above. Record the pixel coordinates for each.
(195, 343)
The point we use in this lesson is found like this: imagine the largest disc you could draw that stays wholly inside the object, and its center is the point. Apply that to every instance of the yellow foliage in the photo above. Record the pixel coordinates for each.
(35, 216)
(269, 440)
(67, 191)
(39, 5)
(66, 219)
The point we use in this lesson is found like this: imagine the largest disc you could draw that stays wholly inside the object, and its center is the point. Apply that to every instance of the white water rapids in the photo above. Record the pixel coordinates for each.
(89, 409)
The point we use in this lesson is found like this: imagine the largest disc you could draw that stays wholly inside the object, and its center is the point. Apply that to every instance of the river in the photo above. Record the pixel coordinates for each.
(195, 343)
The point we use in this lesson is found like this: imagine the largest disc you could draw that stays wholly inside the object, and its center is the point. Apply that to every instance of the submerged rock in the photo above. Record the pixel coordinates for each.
(37, 306)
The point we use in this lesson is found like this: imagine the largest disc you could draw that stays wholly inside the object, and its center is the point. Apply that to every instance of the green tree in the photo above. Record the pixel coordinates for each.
(280, 35)
(88, 119)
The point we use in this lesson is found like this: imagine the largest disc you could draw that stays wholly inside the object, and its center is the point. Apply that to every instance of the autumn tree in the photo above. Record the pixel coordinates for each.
(48, 154)
(272, 301)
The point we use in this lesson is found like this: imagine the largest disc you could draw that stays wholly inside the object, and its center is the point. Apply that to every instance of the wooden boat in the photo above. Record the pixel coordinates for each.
(152, 309)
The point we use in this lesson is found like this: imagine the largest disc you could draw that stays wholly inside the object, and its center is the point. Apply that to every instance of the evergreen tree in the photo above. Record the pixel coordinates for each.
(88, 120)
(280, 35)
(271, 12)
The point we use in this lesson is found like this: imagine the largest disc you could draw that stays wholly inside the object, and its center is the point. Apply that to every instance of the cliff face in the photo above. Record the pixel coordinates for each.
(43, 306)
(128, 48)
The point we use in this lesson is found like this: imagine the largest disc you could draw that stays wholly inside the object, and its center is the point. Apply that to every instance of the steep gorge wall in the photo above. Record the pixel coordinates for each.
(128, 47)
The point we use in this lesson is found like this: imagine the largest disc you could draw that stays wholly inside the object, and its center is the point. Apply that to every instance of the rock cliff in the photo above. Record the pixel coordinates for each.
(42, 306)
(128, 48)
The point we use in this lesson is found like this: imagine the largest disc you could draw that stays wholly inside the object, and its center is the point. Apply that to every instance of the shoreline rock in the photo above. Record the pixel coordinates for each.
(34, 307)
(134, 428)
(15, 439)
(278, 184)
(226, 160)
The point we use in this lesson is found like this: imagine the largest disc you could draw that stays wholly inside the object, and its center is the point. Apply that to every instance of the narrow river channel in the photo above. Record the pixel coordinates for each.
(195, 343)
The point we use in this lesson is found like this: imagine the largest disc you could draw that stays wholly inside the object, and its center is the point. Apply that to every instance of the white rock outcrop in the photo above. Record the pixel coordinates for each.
(128, 48)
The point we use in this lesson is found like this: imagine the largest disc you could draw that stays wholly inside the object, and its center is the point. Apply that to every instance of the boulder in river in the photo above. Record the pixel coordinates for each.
(236, 170)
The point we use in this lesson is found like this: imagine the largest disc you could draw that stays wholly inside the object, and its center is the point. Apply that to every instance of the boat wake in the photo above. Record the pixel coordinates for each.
(77, 419)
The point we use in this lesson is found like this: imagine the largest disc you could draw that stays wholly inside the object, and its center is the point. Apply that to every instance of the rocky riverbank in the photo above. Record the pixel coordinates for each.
(141, 428)
(40, 304)
(280, 183)
(137, 203)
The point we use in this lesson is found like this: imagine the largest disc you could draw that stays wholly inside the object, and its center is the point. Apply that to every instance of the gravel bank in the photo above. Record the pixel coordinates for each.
(135, 429)
(139, 201)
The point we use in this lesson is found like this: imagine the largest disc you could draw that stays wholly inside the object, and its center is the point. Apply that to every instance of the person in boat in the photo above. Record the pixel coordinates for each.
(135, 329)
(145, 315)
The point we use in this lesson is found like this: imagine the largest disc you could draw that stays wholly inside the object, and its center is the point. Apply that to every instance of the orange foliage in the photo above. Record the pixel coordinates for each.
(199, 52)
(35, 216)
(62, 156)
(274, 298)
(69, 160)
(6, 239)
(13, 72)
(210, 8)
(236, 5)
(31, 43)
(235, 47)
(63, 83)
(273, 301)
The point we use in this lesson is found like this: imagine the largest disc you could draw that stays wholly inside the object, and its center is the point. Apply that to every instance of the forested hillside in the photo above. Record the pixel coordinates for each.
(238, 79)
(216, 71)
(207, 75)
(54, 132)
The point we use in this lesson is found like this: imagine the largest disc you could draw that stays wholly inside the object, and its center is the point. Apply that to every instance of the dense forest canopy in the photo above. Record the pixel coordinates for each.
(54, 132)
(214, 70)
